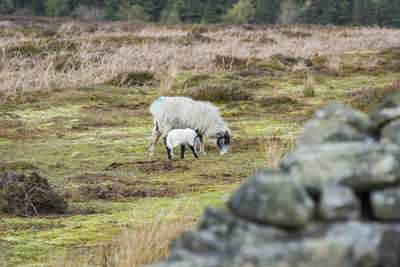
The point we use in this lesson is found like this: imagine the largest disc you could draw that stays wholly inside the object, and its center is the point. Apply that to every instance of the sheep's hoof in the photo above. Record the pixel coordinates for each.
(203, 152)
(151, 153)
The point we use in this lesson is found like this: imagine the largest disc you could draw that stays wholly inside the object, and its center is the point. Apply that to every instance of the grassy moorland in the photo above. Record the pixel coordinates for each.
(74, 100)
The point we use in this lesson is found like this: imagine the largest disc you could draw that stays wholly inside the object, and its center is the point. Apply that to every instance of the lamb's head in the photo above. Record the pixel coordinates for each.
(222, 140)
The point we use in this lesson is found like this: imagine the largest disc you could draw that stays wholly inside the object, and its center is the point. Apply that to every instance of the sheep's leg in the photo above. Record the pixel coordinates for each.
(194, 151)
(155, 135)
(183, 151)
(202, 145)
(168, 149)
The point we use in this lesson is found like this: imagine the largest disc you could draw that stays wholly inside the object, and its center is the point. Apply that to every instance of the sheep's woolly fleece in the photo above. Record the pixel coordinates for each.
(183, 112)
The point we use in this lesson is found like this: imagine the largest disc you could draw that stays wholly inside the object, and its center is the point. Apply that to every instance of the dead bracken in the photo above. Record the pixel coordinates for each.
(32, 195)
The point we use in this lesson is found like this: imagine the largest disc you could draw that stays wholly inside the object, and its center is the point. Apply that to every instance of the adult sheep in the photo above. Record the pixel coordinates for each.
(183, 112)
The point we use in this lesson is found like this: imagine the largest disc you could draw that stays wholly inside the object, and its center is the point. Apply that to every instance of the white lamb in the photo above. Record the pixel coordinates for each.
(183, 112)
(181, 137)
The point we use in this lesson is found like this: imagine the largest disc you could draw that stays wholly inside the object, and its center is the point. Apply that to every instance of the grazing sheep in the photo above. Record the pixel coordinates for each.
(181, 137)
(183, 112)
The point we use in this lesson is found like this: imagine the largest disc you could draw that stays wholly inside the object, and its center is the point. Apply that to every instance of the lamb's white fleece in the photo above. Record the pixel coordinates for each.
(179, 137)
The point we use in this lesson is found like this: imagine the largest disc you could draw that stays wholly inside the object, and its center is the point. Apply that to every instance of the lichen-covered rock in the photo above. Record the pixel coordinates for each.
(219, 233)
(362, 166)
(236, 230)
(372, 244)
(329, 130)
(387, 110)
(275, 198)
(352, 117)
(338, 203)
(336, 123)
(386, 204)
(351, 243)
(391, 131)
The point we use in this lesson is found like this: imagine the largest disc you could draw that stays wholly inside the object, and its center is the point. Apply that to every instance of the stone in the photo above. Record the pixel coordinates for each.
(274, 198)
(338, 203)
(386, 111)
(391, 131)
(362, 166)
(351, 243)
(336, 123)
(236, 230)
(372, 244)
(352, 117)
(329, 130)
(386, 204)
(221, 232)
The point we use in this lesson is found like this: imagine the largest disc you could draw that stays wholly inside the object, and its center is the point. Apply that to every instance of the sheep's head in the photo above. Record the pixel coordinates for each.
(222, 140)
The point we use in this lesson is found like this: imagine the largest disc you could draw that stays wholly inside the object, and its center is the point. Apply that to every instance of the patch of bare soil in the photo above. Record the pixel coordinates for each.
(255, 72)
(110, 192)
(150, 166)
(246, 144)
(121, 193)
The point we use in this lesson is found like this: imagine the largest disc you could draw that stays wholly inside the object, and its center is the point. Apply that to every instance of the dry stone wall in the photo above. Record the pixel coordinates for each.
(335, 201)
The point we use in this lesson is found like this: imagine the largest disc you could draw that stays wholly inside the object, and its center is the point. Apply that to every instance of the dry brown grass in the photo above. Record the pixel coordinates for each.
(140, 245)
(309, 86)
(276, 149)
(366, 99)
(103, 52)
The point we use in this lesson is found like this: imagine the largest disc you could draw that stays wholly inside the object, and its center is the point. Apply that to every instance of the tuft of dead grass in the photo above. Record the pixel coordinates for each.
(219, 92)
(276, 100)
(366, 99)
(131, 78)
(141, 244)
(309, 86)
(276, 149)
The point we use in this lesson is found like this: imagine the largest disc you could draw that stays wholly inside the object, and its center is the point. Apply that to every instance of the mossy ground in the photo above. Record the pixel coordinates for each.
(92, 142)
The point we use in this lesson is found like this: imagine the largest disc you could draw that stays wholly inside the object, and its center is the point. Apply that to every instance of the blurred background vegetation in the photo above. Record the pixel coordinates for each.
(338, 12)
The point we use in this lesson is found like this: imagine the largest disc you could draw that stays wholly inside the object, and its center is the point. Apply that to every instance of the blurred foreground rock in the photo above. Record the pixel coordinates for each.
(334, 202)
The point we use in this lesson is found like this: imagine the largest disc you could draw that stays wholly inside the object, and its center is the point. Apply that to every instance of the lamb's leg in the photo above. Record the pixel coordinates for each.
(202, 145)
(155, 135)
(168, 150)
(183, 151)
(194, 151)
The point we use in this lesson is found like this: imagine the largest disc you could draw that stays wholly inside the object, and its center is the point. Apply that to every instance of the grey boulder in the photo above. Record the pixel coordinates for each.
(274, 198)
(386, 204)
(329, 130)
(391, 132)
(336, 123)
(221, 232)
(352, 117)
(387, 110)
(338, 203)
(362, 166)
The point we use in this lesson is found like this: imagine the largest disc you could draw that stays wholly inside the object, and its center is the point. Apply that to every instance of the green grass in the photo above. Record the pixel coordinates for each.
(97, 137)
